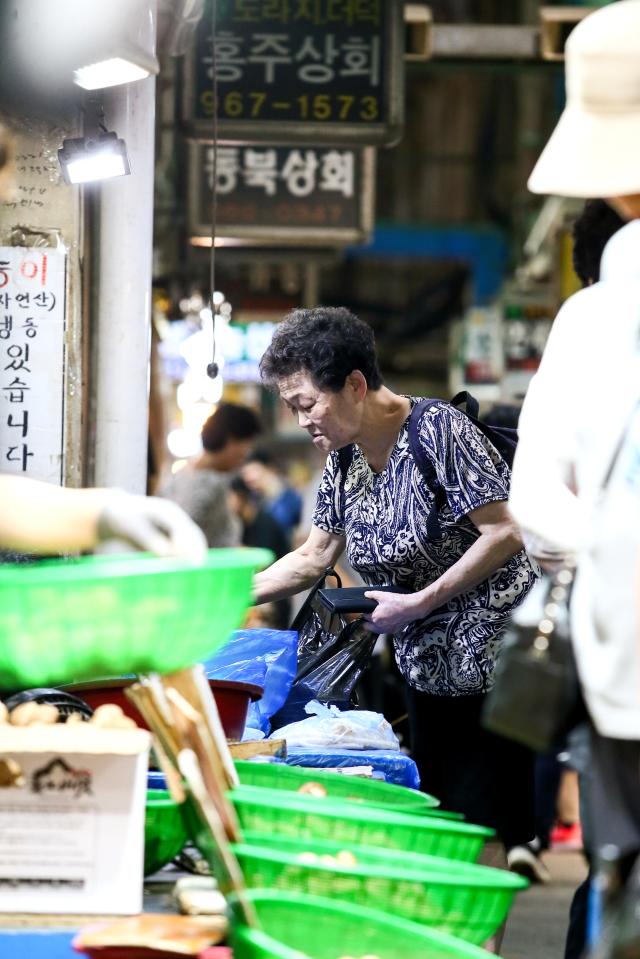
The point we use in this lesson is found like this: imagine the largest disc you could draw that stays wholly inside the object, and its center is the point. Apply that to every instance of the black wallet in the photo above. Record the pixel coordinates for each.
(351, 599)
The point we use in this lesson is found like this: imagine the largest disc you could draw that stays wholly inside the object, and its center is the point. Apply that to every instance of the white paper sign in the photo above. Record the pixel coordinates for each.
(32, 360)
(72, 837)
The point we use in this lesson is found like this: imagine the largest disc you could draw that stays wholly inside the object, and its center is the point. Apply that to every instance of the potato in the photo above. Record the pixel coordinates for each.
(313, 789)
(308, 857)
(47, 714)
(74, 719)
(123, 722)
(346, 858)
(24, 714)
(107, 714)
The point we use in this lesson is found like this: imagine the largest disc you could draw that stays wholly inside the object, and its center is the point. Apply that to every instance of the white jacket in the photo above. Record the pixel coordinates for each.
(584, 399)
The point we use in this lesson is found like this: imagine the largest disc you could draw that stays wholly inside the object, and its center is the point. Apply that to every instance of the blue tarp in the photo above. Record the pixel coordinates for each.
(396, 767)
(42, 944)
(264, 657)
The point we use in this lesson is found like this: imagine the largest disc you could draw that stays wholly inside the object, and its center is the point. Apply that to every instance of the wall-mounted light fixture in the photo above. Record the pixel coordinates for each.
(109, 73)
(95, 44)
(99, 155)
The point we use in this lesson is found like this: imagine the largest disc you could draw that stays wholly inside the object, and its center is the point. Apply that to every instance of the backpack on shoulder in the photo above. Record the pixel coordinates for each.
(504, 438)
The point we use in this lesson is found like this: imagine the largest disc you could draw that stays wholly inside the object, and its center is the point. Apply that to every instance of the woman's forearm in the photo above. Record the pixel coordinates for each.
(298, 570)
(489, 552)
(288, 576)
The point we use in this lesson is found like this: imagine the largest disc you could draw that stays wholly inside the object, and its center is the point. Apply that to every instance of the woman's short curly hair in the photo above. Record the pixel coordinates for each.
(326, 342)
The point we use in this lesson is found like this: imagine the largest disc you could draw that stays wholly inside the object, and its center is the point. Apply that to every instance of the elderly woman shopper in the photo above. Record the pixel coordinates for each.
(462, 585)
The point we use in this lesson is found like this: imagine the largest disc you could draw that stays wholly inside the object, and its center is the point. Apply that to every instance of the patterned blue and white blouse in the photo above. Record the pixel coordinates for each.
(452, 651)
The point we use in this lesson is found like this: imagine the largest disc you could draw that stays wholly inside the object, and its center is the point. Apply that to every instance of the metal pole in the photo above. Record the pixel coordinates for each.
(122, 331)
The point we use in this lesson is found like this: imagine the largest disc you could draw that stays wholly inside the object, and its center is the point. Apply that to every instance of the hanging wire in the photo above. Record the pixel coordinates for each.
(213, 368)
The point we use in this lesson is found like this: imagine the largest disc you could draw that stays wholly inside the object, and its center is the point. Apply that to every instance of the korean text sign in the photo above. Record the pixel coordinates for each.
(313, 71)
(32, 357)
(283, 194)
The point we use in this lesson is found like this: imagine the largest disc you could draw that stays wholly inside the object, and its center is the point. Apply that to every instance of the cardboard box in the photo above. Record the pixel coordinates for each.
(72, 834)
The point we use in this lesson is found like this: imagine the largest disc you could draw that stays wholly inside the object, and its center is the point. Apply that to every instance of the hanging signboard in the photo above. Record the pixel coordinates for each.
(32, 359)
(281, 195)
(299, 71)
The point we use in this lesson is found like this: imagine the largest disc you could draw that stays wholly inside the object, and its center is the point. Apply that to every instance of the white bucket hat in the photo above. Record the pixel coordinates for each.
(594, 150)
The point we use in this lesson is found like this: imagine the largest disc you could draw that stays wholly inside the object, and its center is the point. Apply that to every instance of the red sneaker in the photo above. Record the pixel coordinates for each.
(566, 836)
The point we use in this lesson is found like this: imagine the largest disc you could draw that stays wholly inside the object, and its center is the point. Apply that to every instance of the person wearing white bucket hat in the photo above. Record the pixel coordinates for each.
(594, 150)
(576, 477)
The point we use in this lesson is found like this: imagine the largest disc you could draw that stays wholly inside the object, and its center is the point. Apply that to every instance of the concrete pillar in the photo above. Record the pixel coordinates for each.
(121, 337)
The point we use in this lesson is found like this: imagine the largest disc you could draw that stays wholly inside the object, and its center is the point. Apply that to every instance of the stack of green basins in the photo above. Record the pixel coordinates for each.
(353, 874)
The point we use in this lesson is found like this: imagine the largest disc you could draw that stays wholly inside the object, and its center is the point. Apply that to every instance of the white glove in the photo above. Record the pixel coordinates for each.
(151, 523)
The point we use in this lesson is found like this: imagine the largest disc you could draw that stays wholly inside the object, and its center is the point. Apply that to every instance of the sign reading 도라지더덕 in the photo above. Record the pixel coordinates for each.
(298, 71)
(318, 196)
(32, 361)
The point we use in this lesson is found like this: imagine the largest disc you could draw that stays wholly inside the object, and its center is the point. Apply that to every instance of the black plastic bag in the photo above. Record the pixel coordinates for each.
(332, 655)
(315, 625)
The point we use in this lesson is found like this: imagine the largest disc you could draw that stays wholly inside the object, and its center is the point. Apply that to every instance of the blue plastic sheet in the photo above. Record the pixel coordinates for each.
(264, 657)
(392, 765)
(396, 767)
(37, 944)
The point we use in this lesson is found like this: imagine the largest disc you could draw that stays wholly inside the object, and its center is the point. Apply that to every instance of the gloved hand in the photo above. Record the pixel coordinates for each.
(150, 523)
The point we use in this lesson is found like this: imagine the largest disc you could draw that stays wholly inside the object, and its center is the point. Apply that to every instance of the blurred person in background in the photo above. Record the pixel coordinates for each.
(576, 480)
(201, 487)
(461, 586)
(281, 500)
(259, 528)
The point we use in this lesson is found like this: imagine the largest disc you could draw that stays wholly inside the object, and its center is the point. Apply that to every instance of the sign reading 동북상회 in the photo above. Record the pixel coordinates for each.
(32, 357)
(281, 195)
(299, 71)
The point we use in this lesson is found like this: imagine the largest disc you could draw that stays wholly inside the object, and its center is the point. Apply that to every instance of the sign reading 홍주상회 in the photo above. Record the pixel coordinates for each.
(299, 71)
(319, 196)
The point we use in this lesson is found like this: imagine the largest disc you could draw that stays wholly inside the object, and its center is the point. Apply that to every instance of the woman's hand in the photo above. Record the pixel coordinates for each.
(393, 610)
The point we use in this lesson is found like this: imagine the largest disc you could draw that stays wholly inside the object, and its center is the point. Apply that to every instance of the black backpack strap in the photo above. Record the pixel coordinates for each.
(470, 403)
(426, 466)
(504, 438)
(345, 458)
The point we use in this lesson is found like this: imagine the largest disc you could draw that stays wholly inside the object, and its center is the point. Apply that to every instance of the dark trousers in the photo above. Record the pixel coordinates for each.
(548, 772)
(615, 793)
(577, 932)
(486, 777)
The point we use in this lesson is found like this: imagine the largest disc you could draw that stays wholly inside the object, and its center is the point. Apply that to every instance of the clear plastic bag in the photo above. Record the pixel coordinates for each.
(330, 726)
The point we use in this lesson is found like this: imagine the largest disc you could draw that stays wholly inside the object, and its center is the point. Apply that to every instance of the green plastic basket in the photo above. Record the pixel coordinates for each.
(69, 620)
(165, 833)
(295, 926)
(272, 812)
(355, 788)
(464, 899)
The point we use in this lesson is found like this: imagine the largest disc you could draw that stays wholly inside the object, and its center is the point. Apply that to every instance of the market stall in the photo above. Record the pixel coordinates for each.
(171, 782)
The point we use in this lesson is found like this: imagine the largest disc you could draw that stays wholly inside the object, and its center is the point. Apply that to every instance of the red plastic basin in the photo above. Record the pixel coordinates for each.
(232, 700)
